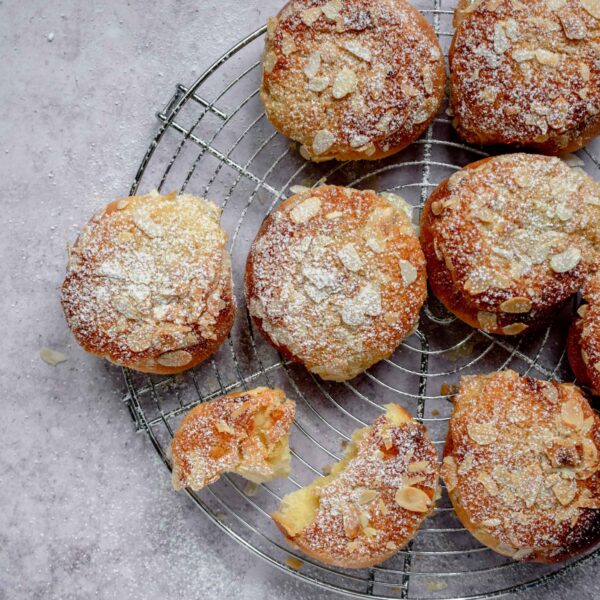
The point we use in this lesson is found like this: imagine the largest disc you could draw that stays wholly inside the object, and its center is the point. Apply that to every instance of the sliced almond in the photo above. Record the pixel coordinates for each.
(516, 305)
(288, 45)
(514, 329)
(571, 413)
(408, 271)
(366, 496)
(294, 563)
(345, 83)
(565, 261)
(52, 357)
(223, 427)
(592, 7)
(416, 467)
(487, 320)
(482, 433)
(269, 61)
(332, 9)
(306, 210)
(350, 258)
(545, 57)
(351, 521)
(322, 141)
(318, 84)
(413, 499)
(313, 65)
(565, 491)
(488, 483)
(310, 15)
(450, 472)
(491, 523)
(179, 358)
(358, 50)
(573, 27)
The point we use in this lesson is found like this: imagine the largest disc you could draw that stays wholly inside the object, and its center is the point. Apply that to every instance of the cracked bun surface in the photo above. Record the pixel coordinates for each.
(148, 283)
(245, 433)
(521, 466)
(583, 345)
(352, 80)
(527, 73)
(508, 239)
(374, 500)
(335, 279)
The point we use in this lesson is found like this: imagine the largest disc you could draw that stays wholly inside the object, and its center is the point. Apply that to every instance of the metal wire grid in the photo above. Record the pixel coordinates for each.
(225, 149)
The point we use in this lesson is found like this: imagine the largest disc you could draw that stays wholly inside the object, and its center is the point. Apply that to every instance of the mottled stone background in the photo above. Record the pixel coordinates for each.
(86, 508)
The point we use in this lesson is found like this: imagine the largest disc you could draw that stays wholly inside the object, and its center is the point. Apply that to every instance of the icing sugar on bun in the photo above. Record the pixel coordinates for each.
(526, 73)
(148, 283)
(335, 279)
(374, 500)
(521, 466)
(508, 239)
(351, 80)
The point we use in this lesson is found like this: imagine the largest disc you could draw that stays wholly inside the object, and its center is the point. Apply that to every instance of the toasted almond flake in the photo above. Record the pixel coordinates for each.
(592, 7)
(522, 553)
(391, 545)
(415, 467)
(334, 214)
(318, 84)
(408, 271)
(351, 521)
(437, 207)
(511, 27)
(356, 141)
(488, 483)
(370, 531)
(408, 89)
(564, 213)
(572, 160)
(516, 305)
(571, 413)
(555, 4)
(487, 320)
(323, 141)
(565, 261)
(299, 189)
(482, 433)
(332, 9)
(584, 71)
(179, 358)
(294, 563)
(366, 496)
(288, 45)
(550, 393)
(522, 55)
(304, 153)
(313, 64)
(384, 122)
(514, 329)
(269, 61)
(310, 15)
(565, 491)
(52, 357)
(593, 200)
(413, 499)
(223, 427)
(345, 83)
(306, 210)
(491, 522)
(369, 149)
(450, 472)
(358, 50)
(501, 43)
(573, 27)
(353, 546)
(545, 57)
(350, 258)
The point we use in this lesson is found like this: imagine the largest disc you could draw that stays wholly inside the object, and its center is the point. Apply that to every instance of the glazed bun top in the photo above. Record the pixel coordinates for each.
(527, 72)
(148, 280)
(353, 79)
(519, 233)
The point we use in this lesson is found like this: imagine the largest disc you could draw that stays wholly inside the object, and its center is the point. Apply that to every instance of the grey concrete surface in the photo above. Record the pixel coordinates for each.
(86, 509)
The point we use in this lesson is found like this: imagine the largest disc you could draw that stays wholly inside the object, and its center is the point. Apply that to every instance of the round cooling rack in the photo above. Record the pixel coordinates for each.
(216, 142)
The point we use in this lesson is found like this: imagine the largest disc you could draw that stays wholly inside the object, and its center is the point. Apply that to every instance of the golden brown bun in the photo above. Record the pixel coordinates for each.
(373, 502)
(244, 433)
(352, 80)
(521, 466)
(526, 73)
(148, 283)
(508, 239)
(335, 279)
(583, 344)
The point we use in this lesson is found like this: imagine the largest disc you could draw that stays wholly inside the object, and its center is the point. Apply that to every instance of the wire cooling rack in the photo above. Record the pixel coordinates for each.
(215, 141)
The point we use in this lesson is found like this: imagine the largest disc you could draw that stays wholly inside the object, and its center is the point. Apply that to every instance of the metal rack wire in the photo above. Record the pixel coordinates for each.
(215, 141)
